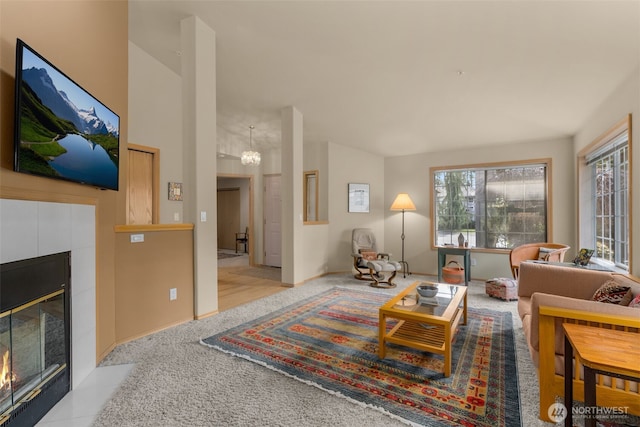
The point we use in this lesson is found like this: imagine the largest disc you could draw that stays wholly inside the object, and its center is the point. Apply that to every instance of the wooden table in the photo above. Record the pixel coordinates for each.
(606, 351)
(428, 326)
(443, 251)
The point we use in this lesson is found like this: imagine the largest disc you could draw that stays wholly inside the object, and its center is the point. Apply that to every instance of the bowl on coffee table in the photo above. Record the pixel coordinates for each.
(427, 290)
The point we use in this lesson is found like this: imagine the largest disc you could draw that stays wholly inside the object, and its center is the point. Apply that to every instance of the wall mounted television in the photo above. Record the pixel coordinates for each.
(61, 130)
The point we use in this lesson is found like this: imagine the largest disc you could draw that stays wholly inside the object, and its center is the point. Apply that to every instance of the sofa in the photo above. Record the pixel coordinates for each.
(563, 293)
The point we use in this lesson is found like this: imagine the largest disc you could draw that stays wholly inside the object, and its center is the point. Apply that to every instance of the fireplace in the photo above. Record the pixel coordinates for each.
(34, 337)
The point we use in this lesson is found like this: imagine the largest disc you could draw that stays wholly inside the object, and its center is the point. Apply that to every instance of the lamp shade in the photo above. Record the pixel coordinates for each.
(403, 203)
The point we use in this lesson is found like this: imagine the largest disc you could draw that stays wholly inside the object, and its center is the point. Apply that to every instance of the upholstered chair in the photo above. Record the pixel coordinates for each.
(369, 261)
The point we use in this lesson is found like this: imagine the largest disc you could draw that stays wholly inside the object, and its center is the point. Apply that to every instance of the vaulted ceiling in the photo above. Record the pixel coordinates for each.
(405, 77)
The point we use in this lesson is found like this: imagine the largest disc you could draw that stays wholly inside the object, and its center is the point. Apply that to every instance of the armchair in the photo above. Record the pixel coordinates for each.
(553, 252)
(369, 262)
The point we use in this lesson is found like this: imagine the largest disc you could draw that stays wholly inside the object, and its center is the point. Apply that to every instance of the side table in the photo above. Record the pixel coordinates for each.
(443, 251)
(605, 351)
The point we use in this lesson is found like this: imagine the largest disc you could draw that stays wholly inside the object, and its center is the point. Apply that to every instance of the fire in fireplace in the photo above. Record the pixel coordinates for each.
(34, 337)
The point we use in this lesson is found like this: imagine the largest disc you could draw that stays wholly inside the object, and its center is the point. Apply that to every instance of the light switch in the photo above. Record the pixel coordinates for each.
(176, 216)
(203, 216)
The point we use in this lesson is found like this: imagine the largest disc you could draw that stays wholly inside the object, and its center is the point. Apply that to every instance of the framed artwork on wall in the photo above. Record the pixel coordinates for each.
(358, 197)
(175, 191)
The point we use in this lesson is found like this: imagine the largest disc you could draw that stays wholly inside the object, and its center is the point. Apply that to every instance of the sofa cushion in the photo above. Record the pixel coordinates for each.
(625, 280)
(612, 292)
(635, 303)
(559, 280)
(524, 306)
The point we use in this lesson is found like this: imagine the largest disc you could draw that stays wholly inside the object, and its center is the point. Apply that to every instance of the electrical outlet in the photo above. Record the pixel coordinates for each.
(473, 261)
(176, 216)
(137, 238)
(173, 294)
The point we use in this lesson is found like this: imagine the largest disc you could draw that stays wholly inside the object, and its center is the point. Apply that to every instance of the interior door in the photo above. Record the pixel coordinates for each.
(228, 217)
(272, 221)
(142, 178)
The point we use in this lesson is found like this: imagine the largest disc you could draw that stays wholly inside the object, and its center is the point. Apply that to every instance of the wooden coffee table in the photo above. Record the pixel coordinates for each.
(427, 324)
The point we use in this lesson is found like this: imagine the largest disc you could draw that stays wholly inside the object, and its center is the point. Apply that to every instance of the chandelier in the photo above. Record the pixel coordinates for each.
(250, 157)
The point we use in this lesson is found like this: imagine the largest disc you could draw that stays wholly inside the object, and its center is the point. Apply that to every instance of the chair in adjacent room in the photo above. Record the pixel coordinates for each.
(242, 239)
(369, 261)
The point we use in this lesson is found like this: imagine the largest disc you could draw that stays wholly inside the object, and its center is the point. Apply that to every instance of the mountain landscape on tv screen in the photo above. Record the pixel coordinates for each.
(85, 121)
(57, 138)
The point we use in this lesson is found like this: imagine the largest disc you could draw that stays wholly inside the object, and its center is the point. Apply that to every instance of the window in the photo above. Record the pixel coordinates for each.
(494, 207)
(604, 204)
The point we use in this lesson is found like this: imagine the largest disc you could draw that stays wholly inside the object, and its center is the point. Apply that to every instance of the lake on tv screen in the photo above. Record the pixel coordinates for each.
(85, 161)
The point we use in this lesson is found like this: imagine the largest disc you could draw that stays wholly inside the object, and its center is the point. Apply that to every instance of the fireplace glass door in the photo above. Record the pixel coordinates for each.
(33, 349)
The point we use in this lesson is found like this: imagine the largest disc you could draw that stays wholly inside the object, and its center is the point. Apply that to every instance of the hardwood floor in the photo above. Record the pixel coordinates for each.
(240, 285)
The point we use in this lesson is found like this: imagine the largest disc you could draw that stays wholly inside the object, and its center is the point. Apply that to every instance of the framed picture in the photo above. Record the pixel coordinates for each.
(358, 197)
(175, 191)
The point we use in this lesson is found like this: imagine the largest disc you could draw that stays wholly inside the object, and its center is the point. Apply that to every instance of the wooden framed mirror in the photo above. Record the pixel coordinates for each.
(310, 196)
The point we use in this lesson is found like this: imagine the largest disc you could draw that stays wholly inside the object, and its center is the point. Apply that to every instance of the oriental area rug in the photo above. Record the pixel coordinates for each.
(330, 341)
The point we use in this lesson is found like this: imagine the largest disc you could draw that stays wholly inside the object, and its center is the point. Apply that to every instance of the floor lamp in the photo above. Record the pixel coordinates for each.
(403, 203)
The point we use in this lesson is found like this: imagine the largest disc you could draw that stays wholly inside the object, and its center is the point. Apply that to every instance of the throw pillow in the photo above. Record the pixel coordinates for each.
(613, 293)
(369, 256)
(543, 254)
(636, 302)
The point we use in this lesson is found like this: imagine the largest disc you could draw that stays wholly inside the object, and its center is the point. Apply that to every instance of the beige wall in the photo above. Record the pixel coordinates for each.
(347, 165)
(155, 112)
(623, 101)
(411, 174)
(67, 33)
(145, 273)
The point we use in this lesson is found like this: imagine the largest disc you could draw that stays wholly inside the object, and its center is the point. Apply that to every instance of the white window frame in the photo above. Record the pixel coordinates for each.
(607, 146)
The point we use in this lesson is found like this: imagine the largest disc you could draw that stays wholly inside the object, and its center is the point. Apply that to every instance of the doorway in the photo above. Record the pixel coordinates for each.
(235, 212)
(228, 217)
(240, 280)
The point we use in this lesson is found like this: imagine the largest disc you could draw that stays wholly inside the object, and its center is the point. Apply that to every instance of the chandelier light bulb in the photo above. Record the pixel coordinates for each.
(250, 157)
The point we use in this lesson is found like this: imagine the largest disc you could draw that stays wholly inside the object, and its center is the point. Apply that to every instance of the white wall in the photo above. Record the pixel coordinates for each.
(347, 165)
(316, 250)
(623, 101)
(155, 120)
(31, 229)
(411, 174)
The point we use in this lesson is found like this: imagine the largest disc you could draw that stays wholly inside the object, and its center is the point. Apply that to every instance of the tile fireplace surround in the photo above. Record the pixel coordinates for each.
(30, 229)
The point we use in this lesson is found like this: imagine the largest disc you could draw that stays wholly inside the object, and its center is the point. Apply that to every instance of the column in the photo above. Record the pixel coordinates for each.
(199, 133)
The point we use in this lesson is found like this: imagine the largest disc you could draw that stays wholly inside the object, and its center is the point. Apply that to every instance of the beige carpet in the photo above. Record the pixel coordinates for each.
(177, 381)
